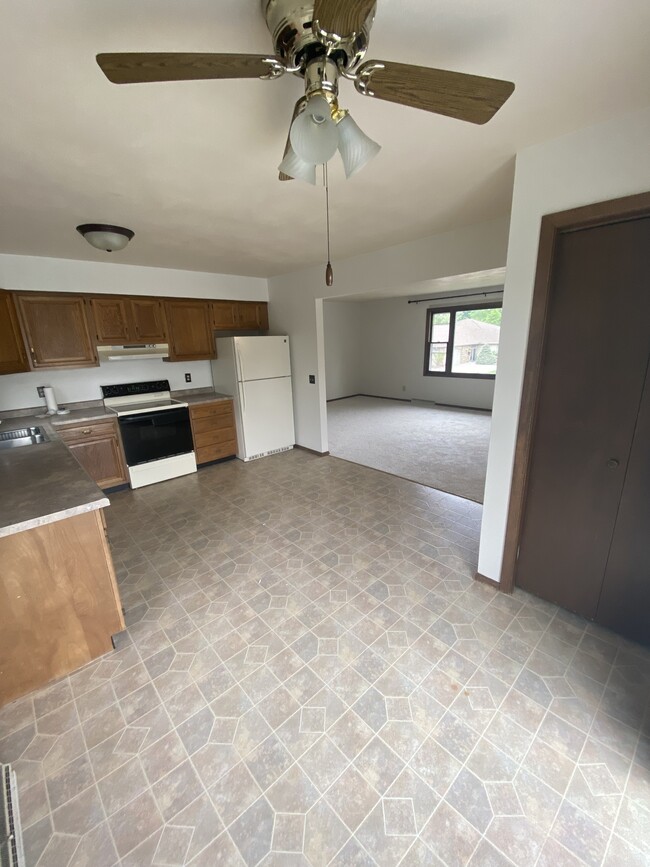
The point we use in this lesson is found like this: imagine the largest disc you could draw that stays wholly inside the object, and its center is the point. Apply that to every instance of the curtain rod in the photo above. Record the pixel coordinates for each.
(454, 297)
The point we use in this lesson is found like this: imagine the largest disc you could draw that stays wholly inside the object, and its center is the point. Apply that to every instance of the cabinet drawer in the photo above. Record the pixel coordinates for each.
(219, 422)
(90, 430)
(215, 452)
(207, 410)
(212, 437)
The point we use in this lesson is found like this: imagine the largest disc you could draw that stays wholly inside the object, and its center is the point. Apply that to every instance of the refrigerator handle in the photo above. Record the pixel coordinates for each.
(240, 375)
(243, 394)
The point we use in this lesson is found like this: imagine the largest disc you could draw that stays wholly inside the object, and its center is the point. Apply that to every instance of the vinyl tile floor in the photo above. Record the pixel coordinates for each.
(310, 676)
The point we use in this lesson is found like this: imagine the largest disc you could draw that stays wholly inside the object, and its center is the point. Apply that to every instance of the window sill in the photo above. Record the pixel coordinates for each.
(460, 375)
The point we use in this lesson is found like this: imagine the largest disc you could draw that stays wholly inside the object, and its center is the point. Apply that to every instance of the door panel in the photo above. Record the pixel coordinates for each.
(625, 599)
(111, 320)
(57, 332)
(266, 407)
(596, 351)
(148, 319)
(190, 331)
(13, 358)
(262, 357)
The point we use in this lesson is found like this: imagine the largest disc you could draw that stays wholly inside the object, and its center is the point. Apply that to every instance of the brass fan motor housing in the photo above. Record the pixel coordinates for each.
(294, 40)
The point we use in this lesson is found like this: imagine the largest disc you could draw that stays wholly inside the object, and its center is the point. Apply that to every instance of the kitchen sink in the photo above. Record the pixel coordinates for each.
(24, 436)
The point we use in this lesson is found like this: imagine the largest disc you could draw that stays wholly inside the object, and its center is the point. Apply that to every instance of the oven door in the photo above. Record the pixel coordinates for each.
(151, 436)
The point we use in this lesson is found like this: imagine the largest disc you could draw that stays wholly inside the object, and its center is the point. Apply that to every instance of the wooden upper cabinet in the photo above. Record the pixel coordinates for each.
(224, 315)
(244, 315)
(56, 329)
(190, 330)
(128, 320)
(13, 358)
(148, 318)
(111, 316)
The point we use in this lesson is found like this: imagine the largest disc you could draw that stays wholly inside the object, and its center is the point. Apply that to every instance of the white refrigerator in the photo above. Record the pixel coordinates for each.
(256, 371)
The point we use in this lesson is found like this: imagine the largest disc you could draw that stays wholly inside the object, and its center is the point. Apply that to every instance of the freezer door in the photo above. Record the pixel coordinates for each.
(266, 412)
(262, 357)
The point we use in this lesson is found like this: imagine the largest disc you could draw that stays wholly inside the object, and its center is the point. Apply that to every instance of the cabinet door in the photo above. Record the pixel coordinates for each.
(225, 315)
(111, 317)
(97, 449)
(190, 331)
(148, 318)
(248, 315)
(56, 329)
(262, 315)
(13, 358)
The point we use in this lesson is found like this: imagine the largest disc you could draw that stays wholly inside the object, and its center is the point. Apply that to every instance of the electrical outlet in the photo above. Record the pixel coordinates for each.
(312, 379)
(39, 389)
(188, 377)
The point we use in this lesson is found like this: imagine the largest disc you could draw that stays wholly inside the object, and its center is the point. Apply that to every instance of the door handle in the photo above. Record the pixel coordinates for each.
(612, 463)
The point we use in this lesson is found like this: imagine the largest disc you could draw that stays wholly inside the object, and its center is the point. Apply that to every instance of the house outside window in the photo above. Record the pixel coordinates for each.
(463, 341)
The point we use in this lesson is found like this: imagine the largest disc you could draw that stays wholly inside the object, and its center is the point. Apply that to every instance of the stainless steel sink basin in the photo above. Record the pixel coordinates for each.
(24, 436)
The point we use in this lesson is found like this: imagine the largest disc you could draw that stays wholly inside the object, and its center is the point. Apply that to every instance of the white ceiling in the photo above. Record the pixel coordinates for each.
(455, 284)
(191, 167)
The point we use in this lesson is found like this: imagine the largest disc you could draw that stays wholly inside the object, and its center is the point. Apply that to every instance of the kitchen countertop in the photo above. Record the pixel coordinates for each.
(43, 483)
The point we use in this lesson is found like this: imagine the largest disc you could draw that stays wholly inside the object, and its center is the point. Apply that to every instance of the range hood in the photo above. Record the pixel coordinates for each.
(133, 351)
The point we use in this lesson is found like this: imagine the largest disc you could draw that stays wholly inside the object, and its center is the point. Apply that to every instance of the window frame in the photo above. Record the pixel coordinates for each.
(457, 308)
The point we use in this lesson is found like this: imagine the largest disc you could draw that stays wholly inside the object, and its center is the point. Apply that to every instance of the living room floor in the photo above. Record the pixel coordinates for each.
(311, 676)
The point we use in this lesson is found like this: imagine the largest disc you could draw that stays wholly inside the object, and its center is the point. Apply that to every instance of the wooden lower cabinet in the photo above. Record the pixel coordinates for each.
(59, 602)
(213, 430)
(98, 449)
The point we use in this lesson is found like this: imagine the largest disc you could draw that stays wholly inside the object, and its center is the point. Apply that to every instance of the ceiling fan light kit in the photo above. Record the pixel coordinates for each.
(355, 147)
(294, 167)
(105, 237)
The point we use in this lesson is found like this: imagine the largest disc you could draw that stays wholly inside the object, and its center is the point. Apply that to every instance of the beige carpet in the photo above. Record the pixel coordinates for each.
(436, 446)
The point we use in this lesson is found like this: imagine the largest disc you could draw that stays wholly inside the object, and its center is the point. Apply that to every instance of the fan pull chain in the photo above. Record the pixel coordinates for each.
(329, 273)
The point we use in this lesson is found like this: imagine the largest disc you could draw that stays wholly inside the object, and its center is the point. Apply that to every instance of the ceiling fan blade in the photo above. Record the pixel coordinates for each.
(296, 111)
(342, 17)
(454, 94)
(131, 68)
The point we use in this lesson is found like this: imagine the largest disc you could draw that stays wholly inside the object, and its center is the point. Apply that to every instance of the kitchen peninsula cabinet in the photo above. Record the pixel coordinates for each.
(13, 357)
(213, 431)
(59, 602)
(97, 447)
(190, 330)
(56, 330)
(120, 319)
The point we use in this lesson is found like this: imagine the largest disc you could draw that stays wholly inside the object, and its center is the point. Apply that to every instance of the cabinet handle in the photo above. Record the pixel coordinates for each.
(86, 430)
(612, 463)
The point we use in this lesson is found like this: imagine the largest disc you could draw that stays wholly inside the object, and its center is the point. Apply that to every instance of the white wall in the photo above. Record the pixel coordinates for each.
(342, 323)
(392, 338)
(296, 305)
(592, 165)
(34, 273)
(40, 273)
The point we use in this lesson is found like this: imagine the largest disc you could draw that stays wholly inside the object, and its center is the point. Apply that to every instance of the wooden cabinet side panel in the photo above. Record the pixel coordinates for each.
(57, 330)
(13, 357)
(58, 602)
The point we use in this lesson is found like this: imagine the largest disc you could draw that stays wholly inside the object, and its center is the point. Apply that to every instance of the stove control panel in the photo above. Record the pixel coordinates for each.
(129, 389)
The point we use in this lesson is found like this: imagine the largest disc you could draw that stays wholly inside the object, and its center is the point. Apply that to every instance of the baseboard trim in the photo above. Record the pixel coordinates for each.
(460, 406)
(383, 397)
(483, 579)
(311, 451)
(345, 397)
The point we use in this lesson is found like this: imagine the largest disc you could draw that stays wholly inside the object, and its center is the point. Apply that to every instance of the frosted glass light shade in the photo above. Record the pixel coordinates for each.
(355, 146)
(105, 237)
(314, 135)
(295, 167)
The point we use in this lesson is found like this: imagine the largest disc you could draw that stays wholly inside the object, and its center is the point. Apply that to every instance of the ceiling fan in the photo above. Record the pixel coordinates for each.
(323, 41)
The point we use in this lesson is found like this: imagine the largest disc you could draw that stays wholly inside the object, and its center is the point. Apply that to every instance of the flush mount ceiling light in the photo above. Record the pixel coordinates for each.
(105, 237)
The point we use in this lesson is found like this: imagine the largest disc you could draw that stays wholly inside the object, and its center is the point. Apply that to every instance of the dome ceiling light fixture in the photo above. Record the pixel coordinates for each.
(323, 41)
(105, 237)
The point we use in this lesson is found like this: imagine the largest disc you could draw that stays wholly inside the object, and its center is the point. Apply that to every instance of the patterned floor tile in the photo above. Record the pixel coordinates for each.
(311, 677)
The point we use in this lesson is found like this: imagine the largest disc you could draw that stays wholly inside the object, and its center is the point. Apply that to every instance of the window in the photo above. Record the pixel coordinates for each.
(463, 341)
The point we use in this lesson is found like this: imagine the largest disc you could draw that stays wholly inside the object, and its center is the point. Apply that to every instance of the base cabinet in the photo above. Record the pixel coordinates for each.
(98, 449)
(59, 602)
(214, 431)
